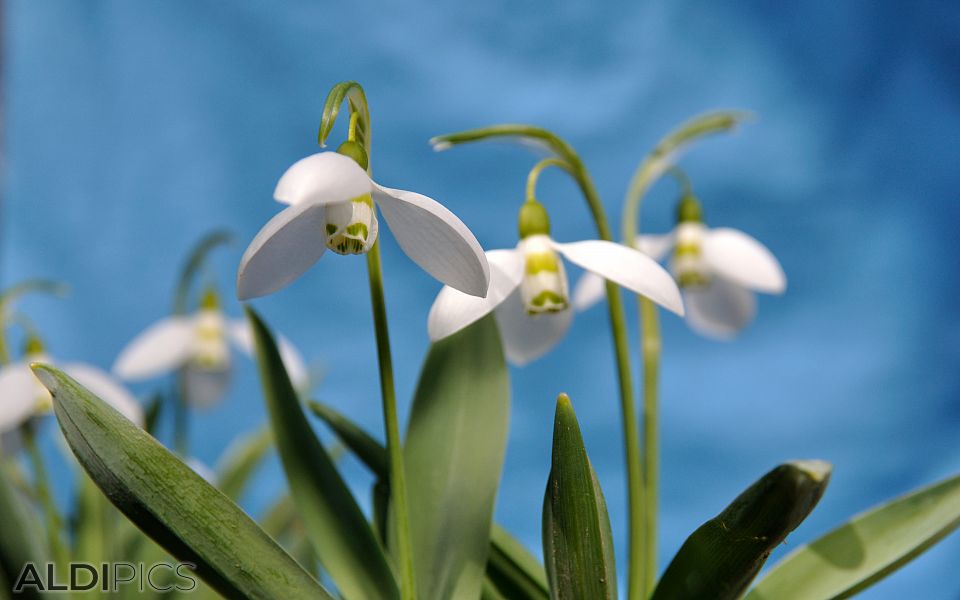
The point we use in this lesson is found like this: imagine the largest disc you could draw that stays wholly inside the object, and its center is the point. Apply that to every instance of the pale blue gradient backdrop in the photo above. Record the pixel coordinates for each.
(134, 128)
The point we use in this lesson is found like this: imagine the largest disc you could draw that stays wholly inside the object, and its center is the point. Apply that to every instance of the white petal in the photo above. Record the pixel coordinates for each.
(161, 348)
(525, 337)
(203, 388)
(242, 337)
(656, 246)
(434, 238)
(626, 267)
(283, 250)
(322, 178)
(740, 258)
(721, 310)
(107, 389)
(453, 310)
(589, 290)
(19, 392)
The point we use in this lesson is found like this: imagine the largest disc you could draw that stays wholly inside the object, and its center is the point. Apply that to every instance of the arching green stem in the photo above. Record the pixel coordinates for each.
(14, 292)
(567, 158)
(181, 306)
(537, 169)
(359, 131)
(653, 166)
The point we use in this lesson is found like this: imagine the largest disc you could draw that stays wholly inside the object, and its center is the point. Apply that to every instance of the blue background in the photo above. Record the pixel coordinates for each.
(134, 128)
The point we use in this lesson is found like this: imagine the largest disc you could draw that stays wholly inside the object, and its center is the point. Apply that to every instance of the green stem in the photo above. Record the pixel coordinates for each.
(618, 327)
(41, 484)
(398, 480)
(181, 417)
(537, 169)
(654, 165)
(359, 131)
(635, 497)
(650, 346)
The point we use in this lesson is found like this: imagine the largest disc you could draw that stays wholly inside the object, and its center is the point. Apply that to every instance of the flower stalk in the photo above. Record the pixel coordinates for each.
(653, 166)
(359, 132)
(566, 158)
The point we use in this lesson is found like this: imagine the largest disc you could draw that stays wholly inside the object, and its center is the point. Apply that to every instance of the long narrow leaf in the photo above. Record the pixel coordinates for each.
(454, 449)
(19, 535)
(512, 570)
(190, 518)
(510, 567)
(721, 558)
(345, 543)
(240, 462)
(577, 542)
(860, 553)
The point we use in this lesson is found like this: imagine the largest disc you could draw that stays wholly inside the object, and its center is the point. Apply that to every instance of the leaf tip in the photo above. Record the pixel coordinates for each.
(815, 469)
(46, 374)
(440, 144)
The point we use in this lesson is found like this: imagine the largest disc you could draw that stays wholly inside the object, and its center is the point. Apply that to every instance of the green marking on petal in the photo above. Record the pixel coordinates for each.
(358, 230)
(536, 263)
(331, 229)
(364, 199)
(547, 301)
(693, 280)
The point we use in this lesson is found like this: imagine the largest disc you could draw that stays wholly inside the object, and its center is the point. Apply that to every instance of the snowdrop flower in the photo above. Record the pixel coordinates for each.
(332, 204)
(718, 271)
(22, 396)
(528, 287)
(198, 347)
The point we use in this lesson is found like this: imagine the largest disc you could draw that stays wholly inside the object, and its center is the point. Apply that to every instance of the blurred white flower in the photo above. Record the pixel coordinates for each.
(332, 205)
(22, 396)
(198, 347)
(528, 288)
(717, 270)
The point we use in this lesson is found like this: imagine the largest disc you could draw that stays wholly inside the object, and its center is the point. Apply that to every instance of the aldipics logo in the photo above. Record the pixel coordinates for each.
(106, 577)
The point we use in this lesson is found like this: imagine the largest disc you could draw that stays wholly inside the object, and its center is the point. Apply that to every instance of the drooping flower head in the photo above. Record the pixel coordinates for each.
(718, 271)
(197, 347)
(333, 205)
(23, 397)
(529, 287)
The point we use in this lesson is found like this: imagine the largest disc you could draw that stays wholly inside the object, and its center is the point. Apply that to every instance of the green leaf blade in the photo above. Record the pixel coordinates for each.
(511, 569)
(454, 449)
(577, 541)
(863, 551)
(345, 543)
(19, 535)
(721, 558)
(172, 504)
(241, 460)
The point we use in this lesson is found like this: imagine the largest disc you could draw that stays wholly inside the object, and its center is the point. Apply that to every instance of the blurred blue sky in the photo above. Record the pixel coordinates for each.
(131, 129)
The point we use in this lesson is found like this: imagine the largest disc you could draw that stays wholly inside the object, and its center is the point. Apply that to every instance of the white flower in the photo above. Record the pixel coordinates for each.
(717, 269)
(197, 346)
(528, 291)
(332, 205)
(22, 396)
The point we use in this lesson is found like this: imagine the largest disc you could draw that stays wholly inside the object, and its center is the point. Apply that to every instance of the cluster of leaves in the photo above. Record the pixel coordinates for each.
(454, 450)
